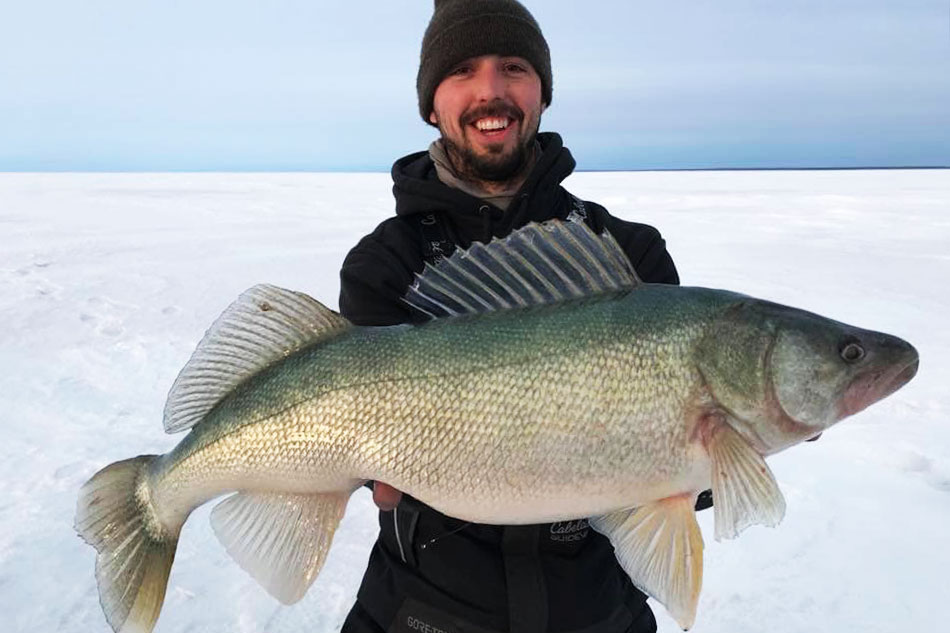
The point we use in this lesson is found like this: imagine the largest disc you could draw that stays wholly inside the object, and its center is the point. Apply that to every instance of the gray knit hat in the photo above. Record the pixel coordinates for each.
(461, 29)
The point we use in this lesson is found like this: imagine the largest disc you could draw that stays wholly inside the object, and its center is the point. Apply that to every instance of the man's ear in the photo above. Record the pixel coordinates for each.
(432, 118)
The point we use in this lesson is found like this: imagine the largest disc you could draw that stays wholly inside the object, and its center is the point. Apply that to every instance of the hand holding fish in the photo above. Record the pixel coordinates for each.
(385, 496)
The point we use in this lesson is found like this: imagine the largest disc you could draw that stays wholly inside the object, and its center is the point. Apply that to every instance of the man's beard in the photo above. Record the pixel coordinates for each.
(496, 165)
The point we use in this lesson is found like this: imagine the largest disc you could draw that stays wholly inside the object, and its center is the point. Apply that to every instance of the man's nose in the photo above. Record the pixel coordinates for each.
(489, 84)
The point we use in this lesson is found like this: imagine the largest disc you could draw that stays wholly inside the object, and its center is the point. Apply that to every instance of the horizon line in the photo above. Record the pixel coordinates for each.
(386, 171)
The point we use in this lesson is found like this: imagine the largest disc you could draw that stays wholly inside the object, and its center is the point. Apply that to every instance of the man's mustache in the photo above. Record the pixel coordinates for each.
(495, 109)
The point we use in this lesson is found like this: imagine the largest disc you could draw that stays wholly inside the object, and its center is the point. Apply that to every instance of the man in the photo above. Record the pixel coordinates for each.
(484, 80)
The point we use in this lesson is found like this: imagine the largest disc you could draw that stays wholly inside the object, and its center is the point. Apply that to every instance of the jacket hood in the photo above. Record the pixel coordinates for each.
(417, 189)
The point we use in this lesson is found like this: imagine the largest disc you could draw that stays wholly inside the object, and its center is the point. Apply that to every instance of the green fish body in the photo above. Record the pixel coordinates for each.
(553, 386)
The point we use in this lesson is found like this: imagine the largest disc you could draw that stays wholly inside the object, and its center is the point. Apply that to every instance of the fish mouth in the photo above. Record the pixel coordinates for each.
(877, 384)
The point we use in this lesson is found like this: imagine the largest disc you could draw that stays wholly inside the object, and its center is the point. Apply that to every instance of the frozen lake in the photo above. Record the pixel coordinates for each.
(107, 281)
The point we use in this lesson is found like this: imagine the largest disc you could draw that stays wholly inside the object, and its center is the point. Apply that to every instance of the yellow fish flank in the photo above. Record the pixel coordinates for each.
(549, 385)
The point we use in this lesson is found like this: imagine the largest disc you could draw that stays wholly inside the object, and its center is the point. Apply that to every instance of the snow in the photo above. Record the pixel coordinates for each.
(107, 281)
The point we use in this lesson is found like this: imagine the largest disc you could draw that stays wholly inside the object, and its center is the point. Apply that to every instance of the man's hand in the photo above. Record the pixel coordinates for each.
(385, 496)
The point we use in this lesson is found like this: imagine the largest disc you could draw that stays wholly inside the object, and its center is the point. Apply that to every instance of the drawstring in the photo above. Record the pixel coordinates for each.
(442, 536)
(485, 212)
(402, 552)
(515, 210)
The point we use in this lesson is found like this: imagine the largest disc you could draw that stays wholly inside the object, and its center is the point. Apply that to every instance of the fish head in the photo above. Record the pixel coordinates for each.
(784, 375)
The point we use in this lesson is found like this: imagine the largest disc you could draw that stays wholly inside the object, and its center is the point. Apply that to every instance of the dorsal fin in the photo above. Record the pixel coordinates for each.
(536, 265)
(264, 324)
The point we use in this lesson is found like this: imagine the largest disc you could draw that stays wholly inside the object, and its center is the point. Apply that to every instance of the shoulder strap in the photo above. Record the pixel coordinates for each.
(585, 212)
(578, 210)
(436, 244)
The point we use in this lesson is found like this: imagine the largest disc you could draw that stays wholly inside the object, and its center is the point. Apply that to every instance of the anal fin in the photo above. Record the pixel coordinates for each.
(744, 489)
(280, 539)
(660, 547)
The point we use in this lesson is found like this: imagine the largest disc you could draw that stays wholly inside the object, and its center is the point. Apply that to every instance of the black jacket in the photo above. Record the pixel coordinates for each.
(430, 569)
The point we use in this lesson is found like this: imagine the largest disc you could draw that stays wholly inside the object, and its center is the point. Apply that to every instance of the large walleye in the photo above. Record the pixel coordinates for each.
(552, 386)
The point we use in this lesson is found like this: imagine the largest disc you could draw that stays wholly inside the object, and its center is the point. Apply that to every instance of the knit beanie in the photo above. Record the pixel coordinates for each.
(461, 29)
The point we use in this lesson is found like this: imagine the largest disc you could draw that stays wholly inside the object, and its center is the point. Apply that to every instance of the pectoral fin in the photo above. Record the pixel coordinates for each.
(660, 547)
(279, 539)
(744, 490)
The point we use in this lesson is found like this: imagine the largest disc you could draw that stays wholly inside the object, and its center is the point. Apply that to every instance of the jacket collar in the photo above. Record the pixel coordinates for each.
(417, 189)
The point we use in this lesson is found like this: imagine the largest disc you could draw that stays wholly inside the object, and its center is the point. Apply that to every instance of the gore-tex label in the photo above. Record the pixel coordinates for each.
(417, 617)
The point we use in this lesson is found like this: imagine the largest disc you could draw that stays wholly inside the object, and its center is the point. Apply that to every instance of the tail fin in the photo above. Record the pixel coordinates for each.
(115, 515)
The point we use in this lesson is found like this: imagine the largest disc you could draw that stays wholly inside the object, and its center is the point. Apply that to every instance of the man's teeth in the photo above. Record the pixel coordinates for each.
(491, 124)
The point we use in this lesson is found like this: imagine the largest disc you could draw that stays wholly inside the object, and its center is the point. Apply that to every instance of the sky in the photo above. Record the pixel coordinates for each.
(295, 85)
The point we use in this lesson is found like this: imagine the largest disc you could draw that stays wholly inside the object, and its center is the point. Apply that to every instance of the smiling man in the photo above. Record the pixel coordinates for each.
(484, 80)
(488, 109)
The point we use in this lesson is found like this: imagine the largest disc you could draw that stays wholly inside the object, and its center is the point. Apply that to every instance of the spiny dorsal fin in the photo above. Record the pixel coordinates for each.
(264, 324)
(536, 265)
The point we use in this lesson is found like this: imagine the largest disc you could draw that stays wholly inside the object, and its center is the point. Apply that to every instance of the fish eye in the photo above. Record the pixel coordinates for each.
(851, 351)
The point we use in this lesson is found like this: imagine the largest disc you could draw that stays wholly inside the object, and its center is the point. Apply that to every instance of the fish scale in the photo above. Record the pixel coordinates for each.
(599, 397)
(455, 394)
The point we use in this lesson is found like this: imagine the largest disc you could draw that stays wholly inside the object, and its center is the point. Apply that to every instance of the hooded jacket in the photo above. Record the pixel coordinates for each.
(379, 269)
(430, 570)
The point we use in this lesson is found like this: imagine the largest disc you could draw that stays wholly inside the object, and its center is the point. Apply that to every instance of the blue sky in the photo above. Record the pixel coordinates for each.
(310, 85)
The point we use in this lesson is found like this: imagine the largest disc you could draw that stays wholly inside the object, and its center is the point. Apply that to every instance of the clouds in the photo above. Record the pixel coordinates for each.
(318, 85)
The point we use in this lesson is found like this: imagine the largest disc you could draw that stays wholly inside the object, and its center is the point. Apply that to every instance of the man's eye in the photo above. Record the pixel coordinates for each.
(515, 68)
(461, 70)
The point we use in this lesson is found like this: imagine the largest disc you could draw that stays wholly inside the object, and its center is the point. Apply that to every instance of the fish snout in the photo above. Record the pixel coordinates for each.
(890, 363)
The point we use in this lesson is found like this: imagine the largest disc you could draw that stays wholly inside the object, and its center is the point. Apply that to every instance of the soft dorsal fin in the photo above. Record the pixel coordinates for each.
(264, 324)
(536, 265)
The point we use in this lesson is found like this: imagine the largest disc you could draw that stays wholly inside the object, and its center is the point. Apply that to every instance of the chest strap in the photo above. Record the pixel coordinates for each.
(436, 244)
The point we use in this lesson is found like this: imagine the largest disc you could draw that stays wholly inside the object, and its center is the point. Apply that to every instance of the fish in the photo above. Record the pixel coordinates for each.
(549, 383)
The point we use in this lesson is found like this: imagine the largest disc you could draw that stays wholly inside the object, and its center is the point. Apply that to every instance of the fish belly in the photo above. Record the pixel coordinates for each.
(525, 442)
(520, 421)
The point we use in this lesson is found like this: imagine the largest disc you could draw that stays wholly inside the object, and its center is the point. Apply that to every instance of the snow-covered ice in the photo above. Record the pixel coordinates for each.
(107, 281)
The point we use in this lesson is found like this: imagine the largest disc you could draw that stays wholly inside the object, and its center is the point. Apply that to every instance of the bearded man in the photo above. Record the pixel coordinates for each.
(484, 80)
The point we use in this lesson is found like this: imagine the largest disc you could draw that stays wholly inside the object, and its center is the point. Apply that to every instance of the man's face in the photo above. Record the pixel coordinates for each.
(488, 109)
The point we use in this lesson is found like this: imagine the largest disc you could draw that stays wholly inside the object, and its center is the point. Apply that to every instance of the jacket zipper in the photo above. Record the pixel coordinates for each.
(402, 552)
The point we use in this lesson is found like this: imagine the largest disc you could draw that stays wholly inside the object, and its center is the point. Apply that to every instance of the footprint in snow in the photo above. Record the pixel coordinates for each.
(103, 316)
(31, 268)
(916, 463)
(939, 482)
(111, 330)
